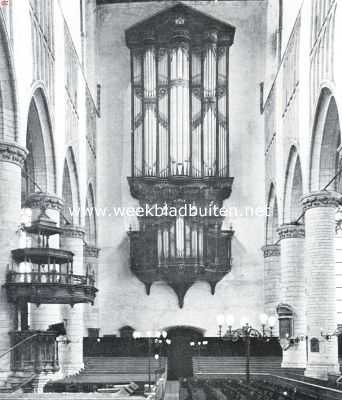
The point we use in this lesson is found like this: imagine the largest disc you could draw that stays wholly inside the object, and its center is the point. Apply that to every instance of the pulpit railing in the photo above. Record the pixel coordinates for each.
(50, 277)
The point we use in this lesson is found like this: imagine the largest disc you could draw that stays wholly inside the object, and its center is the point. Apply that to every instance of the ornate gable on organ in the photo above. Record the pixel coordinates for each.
(188, 21)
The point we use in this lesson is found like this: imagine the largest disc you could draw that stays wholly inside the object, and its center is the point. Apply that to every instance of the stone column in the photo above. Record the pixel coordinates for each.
(271, 279)
(46, 314)
(91, 314)
(320, 210)
(292, 291)
(12, 159)
(71, 355)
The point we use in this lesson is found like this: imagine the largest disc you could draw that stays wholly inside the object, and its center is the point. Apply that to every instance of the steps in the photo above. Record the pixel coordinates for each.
(216, 367)
(105, 371)
(121, 365)
(117, 369)
(16, 382)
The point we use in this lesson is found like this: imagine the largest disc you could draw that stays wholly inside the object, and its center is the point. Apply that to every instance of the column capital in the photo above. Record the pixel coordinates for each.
(291, 231)
(322, 198)
(91, 251)
(271, 250)
(73, 231)
(13, 153)
(43, 199)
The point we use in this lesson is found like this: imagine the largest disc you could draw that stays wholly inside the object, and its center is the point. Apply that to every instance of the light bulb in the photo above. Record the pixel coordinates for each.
(136, 334)
(272, 321)
(220, 320)
(263, 318)
(164, 334)
(230, 320)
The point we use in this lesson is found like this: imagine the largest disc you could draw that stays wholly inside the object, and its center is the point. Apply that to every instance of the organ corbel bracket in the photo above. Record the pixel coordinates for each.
(213, 287)
(148, 287)
(180, 289)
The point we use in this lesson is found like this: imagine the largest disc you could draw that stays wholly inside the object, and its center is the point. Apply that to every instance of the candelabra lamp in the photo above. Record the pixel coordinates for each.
(161, 343)
(198, 345)
(246, 332)
(329, 335)
(156, 340)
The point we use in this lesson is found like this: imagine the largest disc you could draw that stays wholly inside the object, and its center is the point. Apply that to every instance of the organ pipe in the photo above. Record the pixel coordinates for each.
(180, 239)
(180, 121)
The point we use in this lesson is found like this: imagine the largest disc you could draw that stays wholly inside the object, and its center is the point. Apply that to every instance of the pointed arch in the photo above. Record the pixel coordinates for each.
(8, 99)
(39, 173)
(70, 189)
(272, 219)
(293, 187)
(325, 143)
(90, 218)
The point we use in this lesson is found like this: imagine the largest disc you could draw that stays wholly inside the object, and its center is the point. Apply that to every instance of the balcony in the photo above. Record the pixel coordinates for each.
(44, 275)
(34, 351)
(209, 262)
(40, 287)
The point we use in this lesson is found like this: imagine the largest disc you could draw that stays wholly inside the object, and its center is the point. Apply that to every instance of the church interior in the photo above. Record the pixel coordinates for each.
(171, 199)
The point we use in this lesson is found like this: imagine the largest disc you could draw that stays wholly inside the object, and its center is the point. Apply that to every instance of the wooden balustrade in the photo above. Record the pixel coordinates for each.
(54, 287)
(50, 277)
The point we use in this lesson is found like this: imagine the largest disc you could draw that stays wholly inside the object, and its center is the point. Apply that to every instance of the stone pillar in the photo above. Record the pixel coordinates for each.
(71, 355)
(292, 291)
(46, 314)
(12, 159)
(271, 279)
(320, 211)
(91, 314)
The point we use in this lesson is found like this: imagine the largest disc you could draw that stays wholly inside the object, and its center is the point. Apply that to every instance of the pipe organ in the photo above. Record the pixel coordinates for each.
(180, 139)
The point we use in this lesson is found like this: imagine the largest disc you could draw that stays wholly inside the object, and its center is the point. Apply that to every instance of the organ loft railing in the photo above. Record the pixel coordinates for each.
(180, 145)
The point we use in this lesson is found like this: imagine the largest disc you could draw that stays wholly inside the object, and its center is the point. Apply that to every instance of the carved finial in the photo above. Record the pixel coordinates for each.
(179, 20)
